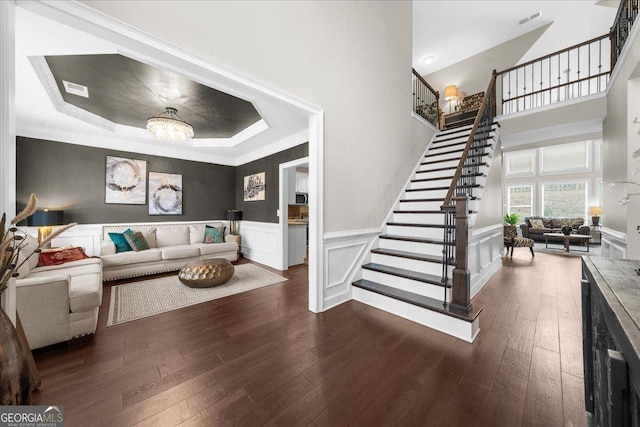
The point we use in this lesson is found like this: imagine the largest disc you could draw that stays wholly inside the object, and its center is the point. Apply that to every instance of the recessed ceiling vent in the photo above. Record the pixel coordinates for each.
(76, 89)
(531, 18)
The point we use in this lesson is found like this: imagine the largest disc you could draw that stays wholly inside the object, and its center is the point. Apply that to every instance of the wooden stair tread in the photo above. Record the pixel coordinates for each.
(481, 174)
(407, 274)
(417, 211)
(447, 168)
(419, 300)
(431, 162)
(411, 255)
(459, 150)
(445, 188)
(455, 144)
(407, 224)
(431, 200)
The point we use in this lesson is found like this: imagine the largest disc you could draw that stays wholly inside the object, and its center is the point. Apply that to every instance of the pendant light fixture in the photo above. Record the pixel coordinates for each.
(168, 126)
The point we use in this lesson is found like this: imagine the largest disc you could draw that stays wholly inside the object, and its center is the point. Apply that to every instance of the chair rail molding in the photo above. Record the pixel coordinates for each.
(485, 255)
(344, 253)
(613, 244)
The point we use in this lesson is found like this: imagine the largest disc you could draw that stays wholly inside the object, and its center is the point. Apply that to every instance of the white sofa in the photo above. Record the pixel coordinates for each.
(59, 302)
(172, 246)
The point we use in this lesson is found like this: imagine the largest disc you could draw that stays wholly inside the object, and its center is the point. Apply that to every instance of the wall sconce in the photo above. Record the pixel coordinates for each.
(234, 216)
(450, 94)
(595, 212)
(45, 220)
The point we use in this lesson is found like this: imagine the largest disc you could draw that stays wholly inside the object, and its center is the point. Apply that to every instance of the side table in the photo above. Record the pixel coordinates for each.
(595, 234)
(238, 239)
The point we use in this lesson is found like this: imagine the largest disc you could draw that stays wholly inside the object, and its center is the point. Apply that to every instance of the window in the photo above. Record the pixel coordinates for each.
(564, 200)
(520, 163)
(520, 200)
(565, 157)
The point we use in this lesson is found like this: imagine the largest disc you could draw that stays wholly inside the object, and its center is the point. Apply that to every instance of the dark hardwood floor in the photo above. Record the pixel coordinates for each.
(261, 358)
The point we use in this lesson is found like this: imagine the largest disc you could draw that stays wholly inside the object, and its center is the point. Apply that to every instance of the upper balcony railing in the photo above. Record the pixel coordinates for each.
(425, 100)
(575, 71)
(626, 16)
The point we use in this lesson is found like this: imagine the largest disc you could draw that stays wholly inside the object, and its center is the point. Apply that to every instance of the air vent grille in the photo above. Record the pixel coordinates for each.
(76, 89)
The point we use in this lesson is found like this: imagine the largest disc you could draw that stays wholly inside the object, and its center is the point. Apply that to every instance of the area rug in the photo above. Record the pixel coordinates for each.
(132, 301)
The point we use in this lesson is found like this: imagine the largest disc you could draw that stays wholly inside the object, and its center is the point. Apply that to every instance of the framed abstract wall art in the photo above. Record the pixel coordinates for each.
(254, 187)
(165, 194)
(126, 181)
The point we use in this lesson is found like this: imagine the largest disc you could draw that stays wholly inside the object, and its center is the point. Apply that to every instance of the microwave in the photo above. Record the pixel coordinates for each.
(302, 199)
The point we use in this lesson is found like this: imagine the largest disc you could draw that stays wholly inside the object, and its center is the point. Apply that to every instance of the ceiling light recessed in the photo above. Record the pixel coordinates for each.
(75, 89)
(428, 60)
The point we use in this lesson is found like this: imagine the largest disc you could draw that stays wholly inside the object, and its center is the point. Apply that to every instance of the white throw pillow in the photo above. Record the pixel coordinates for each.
(196, 233)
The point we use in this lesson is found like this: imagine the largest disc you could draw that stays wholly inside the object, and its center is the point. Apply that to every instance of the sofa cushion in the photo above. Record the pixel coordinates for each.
(196, 233)
(536, 223)
(131, 257)
(85, 292)
(181, 251)
(547, 222)
(172, 236)
(137, 241)
(121, 243)
(61, 256)
(213, 235)
(74, 268)
(208, 249)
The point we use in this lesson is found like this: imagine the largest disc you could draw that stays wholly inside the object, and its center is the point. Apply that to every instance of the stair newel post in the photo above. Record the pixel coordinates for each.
(461, 290)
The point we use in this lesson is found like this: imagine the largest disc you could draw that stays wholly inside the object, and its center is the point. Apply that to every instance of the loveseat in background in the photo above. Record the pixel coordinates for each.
(552, 225)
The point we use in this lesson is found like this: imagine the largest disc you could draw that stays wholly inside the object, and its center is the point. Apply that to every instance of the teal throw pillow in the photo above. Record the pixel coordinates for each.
(121, 243)
(213, 235)
(136, 240)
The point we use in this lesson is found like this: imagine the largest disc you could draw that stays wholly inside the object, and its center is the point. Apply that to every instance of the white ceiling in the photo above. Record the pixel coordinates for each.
(38, 116)
(452, 30)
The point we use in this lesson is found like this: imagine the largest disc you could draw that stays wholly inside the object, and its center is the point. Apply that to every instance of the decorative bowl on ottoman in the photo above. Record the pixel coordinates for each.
(205, 273)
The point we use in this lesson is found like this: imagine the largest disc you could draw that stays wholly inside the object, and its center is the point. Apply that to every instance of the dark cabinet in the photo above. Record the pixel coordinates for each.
(611, 340)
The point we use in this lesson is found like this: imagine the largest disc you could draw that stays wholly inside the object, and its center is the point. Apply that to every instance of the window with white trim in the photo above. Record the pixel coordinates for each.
(520, 200)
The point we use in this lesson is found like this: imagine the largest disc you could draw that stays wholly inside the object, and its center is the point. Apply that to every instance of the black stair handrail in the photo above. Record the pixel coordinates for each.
(455, 207)
(426, 100)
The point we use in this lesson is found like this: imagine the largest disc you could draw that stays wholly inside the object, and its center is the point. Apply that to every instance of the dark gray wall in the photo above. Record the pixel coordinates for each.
(72, 177)
(265, 210)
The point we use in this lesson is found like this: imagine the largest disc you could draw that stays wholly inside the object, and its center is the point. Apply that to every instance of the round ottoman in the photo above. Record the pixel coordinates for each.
(205, 273)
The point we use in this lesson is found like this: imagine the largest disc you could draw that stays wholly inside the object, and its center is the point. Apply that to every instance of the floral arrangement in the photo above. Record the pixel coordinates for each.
(13, 242)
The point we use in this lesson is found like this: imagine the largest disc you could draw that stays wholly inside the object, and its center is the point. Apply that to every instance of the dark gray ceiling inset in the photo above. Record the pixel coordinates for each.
(128, 92)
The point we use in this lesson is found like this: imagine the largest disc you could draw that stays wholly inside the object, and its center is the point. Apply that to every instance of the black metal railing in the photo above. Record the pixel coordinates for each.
(425, 100)
(626, 16)
(579, 70)
(460, 191)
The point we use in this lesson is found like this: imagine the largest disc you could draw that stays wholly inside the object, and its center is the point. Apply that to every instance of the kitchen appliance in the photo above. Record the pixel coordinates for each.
(302, 198)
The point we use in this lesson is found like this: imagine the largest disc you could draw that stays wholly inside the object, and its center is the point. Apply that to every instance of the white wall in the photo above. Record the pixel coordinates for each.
(351, 58)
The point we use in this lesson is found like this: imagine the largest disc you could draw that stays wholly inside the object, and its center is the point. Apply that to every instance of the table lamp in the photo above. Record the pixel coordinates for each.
(450, 94)
(234, 215)
(45, 220)
(595, 212)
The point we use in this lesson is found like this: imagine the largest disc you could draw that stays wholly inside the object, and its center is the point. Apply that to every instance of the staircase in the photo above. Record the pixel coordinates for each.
(406, 268)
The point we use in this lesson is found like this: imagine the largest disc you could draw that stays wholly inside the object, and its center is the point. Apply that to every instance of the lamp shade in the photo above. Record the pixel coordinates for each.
(234, 215)
(450, 92)
(595, 210)
(45, 218)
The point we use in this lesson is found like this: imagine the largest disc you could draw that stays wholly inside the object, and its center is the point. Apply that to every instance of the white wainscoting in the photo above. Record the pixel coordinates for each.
(485, 255)
(613, 244)
(344, 254)
(260, 242)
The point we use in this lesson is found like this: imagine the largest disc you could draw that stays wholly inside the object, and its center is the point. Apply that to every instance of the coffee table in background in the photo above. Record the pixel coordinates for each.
(567, 239)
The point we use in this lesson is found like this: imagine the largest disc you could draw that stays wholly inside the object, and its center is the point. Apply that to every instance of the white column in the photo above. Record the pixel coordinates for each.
(7, 115)
(8, 130)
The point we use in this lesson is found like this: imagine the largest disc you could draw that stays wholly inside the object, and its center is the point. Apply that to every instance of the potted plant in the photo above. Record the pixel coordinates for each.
(512, 219)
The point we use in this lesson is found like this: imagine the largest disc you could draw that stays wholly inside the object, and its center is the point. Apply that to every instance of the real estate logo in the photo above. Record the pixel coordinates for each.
(32, 416)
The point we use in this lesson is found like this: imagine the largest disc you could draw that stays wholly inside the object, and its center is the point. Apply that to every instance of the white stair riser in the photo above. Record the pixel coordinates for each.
(409, 264)
(445, 182)
(424, 232)
(450, 163)
(421, 218)
(426, 194)
(459, 140)
(466, 331)
(416, 247)
(446, 156)
(413, 286)
(419, 206)
(435, 174)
